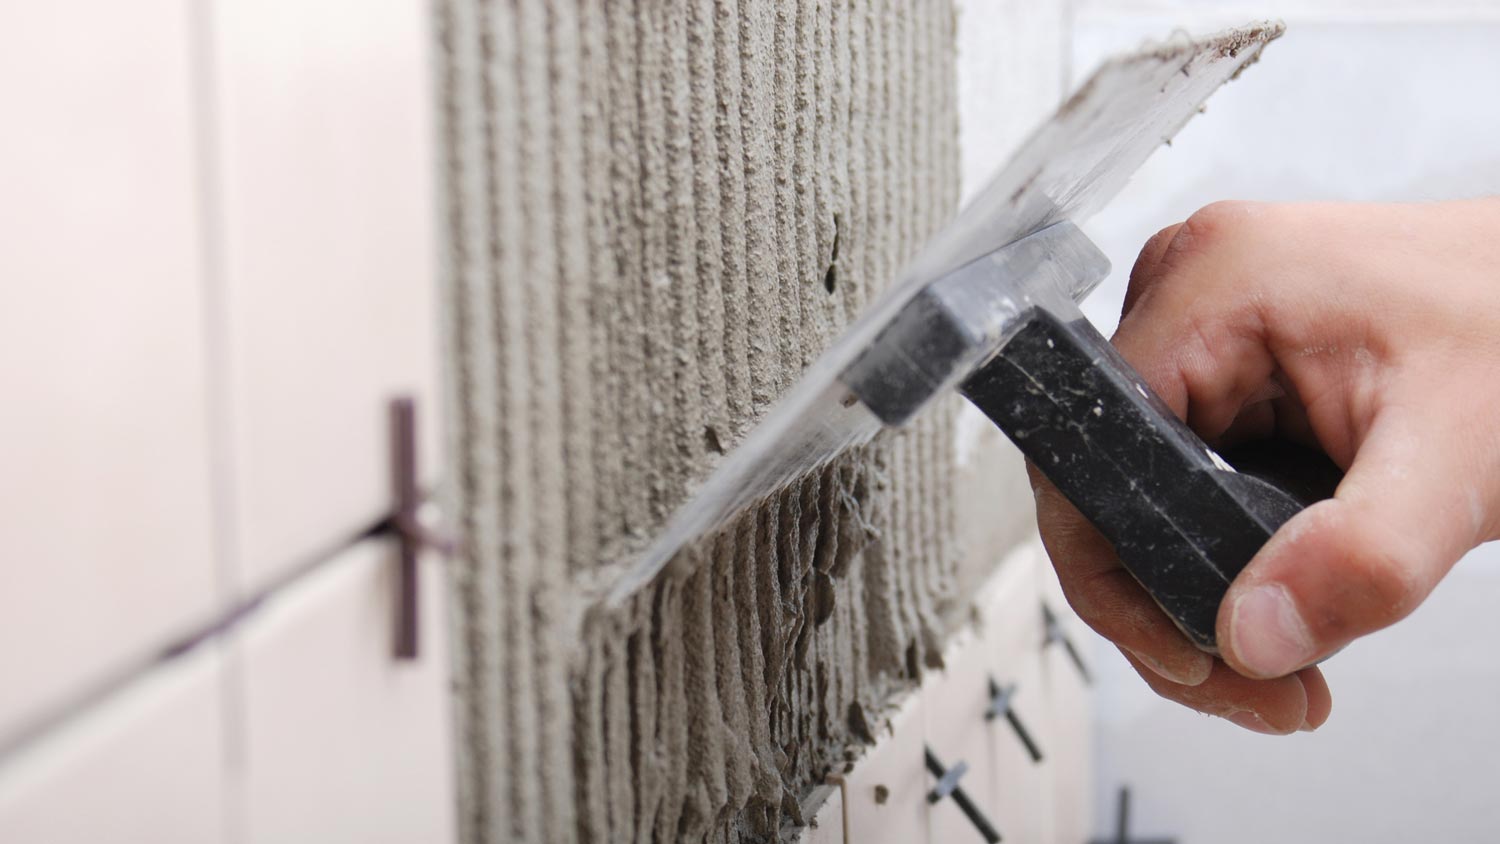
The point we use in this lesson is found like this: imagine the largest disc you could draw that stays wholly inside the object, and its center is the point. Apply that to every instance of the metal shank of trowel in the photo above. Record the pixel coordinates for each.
(957, 322)
(1007, 332)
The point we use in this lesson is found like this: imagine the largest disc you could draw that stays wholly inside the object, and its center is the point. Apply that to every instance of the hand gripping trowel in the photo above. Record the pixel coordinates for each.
(990, 308)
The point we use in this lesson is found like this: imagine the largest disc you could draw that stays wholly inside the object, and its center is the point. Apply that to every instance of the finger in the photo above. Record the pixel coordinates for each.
(1319, 699)
(1292, 422)
(1275, 707)
(1195, 331)
(1104, 594)
(1280, 415)
(1255, 422)
(1147, 266)
(1360, 561)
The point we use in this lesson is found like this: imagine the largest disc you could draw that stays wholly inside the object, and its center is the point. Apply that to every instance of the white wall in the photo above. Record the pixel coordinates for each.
(1004, 93)
(1379, 101)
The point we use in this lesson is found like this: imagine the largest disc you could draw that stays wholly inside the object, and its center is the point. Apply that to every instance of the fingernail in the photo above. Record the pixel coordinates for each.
(1194, 676)
(1306, 727)
(1269, 636)
(1250, 721)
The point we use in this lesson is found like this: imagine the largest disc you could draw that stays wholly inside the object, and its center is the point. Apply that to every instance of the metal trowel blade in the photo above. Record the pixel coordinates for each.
(1069, 167)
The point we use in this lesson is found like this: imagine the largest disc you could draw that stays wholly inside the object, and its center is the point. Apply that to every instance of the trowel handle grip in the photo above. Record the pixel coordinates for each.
(1183, 522)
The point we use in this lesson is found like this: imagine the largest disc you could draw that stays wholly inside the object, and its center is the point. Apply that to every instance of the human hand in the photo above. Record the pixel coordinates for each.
(1369, 331)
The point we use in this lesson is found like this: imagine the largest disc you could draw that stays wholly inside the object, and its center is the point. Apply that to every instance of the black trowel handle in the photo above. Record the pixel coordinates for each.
(1182, 521)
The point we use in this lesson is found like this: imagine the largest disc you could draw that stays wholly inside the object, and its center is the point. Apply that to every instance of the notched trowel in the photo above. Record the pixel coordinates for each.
(990, 308)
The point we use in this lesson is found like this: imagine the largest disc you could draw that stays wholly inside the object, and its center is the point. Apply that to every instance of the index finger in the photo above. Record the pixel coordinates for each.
(1105, 595)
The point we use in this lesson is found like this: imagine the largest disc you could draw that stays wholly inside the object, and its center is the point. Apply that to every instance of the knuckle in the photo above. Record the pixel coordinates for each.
(1155, 247)
(1207, 226)
(1225, 214)
(1146, 271)
(1091, 603)
(1086, 604)
(1086, 607)
(1196, 698)
(1214, 225)
(1379, 584)
(1389, 581)
(1110, 607)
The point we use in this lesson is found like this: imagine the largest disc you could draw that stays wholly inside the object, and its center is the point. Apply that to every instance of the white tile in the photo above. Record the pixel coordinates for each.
(954, 704)
(885, 796)
(1068, 727)
(1011, 647)
(328, 175)
(103, 436)
(144, 765)
(342, 742)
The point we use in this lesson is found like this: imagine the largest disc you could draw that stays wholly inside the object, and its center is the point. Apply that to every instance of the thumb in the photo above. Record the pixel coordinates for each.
(1407, 509)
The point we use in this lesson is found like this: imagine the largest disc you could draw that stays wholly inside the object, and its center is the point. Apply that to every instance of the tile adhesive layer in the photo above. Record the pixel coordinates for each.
(657, 216)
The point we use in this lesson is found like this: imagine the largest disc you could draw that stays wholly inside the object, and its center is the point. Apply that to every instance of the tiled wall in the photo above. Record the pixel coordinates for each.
(1038, 798)
(1025, 799)
(221, 223)
(218, 266)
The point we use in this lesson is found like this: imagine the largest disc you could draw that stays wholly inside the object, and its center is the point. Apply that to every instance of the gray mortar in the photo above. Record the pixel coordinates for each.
(644, 202)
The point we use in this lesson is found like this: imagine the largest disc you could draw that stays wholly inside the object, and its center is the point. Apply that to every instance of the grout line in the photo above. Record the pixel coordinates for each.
(215, 307)
(219, 398)
(215, 631)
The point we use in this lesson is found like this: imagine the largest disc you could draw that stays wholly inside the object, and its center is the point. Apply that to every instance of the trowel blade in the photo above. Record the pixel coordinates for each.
(1068, 168)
